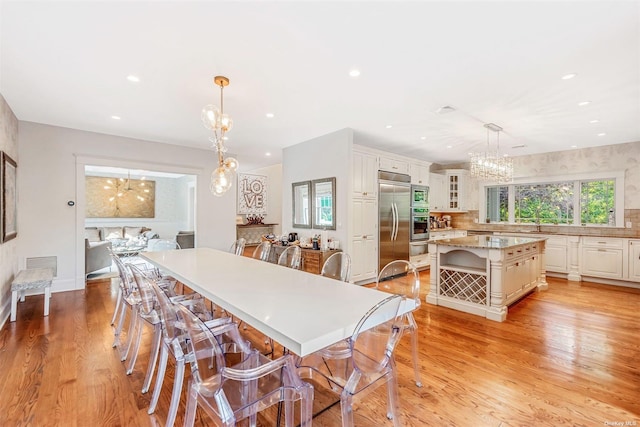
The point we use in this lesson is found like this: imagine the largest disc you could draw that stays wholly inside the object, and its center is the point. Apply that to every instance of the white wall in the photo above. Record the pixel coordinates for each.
(323, 157)
(606, 158)
(51, 172)
(8, 250)
(274, 195)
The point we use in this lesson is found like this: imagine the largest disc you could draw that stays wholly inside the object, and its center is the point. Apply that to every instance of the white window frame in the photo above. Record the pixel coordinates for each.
(617, 176)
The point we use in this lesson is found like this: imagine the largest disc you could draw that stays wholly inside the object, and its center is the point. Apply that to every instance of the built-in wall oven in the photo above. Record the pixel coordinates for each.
(419, 213)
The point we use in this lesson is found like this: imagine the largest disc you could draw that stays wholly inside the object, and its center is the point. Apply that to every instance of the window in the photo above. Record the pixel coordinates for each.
(544, 203)
(498, 204)
(597, 201)
(586, 200)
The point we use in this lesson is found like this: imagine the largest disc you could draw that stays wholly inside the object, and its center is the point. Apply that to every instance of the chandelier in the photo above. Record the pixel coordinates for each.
(490, 165)
(220, 123)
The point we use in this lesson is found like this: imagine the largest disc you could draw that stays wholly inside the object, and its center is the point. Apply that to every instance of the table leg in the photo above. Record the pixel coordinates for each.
(14, 305)
(47, 297)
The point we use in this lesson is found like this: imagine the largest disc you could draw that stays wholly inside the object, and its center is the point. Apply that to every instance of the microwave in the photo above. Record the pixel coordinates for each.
(419, 196)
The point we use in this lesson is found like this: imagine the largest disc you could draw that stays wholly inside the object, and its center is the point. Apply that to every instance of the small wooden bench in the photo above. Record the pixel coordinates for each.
(32, 278)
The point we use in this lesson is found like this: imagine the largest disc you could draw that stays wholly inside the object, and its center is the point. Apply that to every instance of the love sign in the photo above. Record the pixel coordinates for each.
(252, 194)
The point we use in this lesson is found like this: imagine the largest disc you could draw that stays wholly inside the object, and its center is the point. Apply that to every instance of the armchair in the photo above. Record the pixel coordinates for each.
(96, 256)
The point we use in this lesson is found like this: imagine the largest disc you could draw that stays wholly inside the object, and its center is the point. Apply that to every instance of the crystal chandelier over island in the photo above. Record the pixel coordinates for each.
(220, 123)
(490, 165)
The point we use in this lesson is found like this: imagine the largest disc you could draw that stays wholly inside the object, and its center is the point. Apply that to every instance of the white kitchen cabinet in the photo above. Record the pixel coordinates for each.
(364, 239)
(602, 257)
(446, 234)
(437, 195)
(457, 181)
(556, 250)
(634, 260)
(449, 190)
(365, 175)
(393, 165)
(419, 173)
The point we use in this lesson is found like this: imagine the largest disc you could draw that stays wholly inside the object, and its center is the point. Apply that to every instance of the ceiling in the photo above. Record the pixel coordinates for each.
(66, 64)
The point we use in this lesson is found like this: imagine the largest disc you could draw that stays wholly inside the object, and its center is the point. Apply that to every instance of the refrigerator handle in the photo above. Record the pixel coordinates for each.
(394, 208)
(393, 221)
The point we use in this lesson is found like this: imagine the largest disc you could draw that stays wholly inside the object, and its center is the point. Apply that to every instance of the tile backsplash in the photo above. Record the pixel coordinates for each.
(469, 221)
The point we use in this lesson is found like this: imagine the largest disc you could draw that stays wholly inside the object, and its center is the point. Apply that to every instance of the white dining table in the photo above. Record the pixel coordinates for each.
(302, 311)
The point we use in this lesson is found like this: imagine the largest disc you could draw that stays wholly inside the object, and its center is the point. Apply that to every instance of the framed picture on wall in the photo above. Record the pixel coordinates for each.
(9, 170)
(252, 194)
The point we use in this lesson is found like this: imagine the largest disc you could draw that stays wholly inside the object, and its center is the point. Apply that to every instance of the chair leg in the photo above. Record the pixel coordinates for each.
(133, 324)
(162, 367)
(346, 402)
(153, 356)
(392, 396)
(117, 308)
(176, 392)
(135, 339)
(414, 348)
(118, 330)
(192, 404)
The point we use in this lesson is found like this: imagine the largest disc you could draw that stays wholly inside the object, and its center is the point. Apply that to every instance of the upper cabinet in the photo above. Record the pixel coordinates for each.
(393, 165)
(449, 191)
(365, 175)
(419, 173)
(437, 197)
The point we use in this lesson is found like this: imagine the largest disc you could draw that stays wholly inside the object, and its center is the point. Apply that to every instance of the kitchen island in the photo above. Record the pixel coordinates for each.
(483, 275)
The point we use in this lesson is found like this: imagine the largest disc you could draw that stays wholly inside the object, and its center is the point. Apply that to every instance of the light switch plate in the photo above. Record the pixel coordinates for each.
(628, 224)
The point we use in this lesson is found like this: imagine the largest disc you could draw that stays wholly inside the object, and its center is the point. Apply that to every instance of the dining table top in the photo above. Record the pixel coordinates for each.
(302, 311)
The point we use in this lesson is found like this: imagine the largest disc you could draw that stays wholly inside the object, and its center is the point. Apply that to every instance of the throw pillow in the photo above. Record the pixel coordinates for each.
(132, 232)
(112, 233)
(92, 234)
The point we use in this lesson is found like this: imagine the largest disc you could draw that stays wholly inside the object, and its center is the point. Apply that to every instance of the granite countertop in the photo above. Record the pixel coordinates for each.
(487, 242)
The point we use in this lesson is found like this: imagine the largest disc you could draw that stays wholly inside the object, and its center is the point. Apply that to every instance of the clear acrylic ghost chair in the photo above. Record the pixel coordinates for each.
(230, 394)
(337, 266)
(291, 257)
(401, 278)
(262, 251)
(128, 295)
(238, 246)
(146, 312)
(174, 343)
(355, 367)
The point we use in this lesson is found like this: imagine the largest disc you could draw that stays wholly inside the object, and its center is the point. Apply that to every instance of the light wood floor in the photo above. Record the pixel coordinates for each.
(567, 356)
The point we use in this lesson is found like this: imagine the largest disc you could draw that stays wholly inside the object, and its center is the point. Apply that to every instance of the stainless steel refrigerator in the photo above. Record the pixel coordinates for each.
(394, 217)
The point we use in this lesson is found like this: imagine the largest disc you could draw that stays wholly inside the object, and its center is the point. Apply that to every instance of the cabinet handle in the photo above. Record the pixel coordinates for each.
(602, 250)
(509, 253)
(394, 167)
(602, 243)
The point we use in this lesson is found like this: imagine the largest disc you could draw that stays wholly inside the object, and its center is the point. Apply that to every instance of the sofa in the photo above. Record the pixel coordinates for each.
(96, 256)
(98, 240)
(185, 239)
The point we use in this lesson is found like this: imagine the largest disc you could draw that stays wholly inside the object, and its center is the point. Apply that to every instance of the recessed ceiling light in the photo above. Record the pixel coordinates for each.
(132, 78)
(594, 121)
(574, 146)
(389, 126)
(569, 76)
(270, 115)
(225, 138)
(445, 109)
(116, 117)
(423, 138)
(449, 146)
(583, 103)
(354, 73)
(601, 134)
(267, 154)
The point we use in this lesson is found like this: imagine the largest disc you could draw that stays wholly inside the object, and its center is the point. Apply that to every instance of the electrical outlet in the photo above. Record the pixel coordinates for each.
(628, 224)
